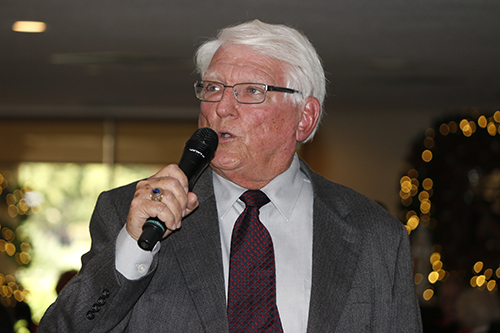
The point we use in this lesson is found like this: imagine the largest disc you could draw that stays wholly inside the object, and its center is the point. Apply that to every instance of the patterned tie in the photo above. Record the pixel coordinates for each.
(252, 277)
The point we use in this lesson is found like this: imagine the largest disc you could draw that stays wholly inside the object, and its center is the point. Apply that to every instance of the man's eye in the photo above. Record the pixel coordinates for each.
(212, 88)
(254, 90)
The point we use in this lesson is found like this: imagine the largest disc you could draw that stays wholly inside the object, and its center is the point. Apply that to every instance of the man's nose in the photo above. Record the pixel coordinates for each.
(228, 104)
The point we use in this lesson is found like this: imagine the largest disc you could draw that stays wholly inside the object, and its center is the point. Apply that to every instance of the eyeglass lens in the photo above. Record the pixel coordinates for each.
(243, 92)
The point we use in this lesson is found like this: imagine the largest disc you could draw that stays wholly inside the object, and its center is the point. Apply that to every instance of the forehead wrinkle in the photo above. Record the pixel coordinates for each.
(233, 76)
(263, 70)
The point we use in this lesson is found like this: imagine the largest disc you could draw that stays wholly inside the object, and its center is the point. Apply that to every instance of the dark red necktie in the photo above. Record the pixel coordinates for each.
(252, 275)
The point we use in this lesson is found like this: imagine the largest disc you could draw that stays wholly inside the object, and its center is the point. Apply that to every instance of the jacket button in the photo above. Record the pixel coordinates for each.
(101, 300)
(95, 308)
(90, 315)
(105, 293)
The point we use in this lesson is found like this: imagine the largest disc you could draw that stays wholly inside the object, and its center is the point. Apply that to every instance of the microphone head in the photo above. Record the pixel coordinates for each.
(198, 152)
(205, 141)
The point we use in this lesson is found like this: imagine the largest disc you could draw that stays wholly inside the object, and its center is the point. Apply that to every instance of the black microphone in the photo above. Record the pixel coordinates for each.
(198, 152)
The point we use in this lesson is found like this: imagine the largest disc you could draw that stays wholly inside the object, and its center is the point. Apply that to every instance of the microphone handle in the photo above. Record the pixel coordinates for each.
(152, 232)
(154, 228)
(197, 154)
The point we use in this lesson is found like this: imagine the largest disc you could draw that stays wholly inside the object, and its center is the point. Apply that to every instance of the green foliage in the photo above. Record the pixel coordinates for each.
(59, 231)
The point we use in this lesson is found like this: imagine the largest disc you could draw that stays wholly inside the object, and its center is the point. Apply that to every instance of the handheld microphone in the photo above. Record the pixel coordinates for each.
(197, 154)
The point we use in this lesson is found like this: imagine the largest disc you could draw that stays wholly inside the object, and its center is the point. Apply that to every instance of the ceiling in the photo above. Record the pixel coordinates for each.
(133, 59)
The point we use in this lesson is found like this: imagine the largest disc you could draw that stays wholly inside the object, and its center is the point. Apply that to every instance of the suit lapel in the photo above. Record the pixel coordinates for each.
(335, 253)
(198, 251)
(336, 246)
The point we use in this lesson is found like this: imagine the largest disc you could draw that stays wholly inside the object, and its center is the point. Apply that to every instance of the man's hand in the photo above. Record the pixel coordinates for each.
(176, 203)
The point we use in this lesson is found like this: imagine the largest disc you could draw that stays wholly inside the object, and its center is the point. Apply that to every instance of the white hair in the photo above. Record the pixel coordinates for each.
(277, 41)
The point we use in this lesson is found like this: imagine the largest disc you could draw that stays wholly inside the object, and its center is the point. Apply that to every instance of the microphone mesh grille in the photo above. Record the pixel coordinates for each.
(207, 136)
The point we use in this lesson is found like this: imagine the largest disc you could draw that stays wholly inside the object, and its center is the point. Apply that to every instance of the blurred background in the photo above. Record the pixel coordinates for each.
(96, 94)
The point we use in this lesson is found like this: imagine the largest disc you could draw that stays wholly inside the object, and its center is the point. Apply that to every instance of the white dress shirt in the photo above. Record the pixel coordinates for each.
(288, 218)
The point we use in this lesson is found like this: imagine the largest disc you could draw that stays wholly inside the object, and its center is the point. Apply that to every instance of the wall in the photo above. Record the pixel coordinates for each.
(366, 150)
(360, 149)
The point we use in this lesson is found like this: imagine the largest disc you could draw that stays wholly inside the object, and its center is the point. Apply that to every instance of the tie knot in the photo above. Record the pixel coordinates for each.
(254, 198)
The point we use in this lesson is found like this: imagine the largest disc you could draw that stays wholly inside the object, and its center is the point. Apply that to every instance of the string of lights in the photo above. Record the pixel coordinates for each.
(15, 207)
(450, 202)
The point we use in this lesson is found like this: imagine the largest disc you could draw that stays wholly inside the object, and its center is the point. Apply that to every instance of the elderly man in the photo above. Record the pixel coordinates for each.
(262, 243)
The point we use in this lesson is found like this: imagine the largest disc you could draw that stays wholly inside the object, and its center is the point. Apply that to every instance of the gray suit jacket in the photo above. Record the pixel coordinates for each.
(361, 280)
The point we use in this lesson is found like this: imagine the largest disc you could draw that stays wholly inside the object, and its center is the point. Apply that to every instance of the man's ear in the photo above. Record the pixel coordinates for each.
(310, 117)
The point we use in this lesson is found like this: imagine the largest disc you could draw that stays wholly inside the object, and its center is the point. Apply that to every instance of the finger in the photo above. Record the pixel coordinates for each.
(174, 212)
(192, 204)
(170, 209)
(172, 193)
(173, 171)
(143, 209)
(167, 185)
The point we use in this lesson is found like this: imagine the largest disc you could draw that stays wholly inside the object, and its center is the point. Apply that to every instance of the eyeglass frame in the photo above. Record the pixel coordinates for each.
(266, 86)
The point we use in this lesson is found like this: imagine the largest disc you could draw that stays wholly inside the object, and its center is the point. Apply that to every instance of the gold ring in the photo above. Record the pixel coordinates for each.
(156, 194)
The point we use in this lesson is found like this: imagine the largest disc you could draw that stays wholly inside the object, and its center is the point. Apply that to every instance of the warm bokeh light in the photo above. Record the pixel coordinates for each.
(478, 266)
(433, 277)
(491, 285)
(10, 249)
(425, 206)
(442, 274)
(444, 129)
(452, 126)
(430, 133)
(473, 281)
(406, 184)
(11, 291)
(488, 273)
(8, 234)
(428, 293)
(463, 124)
(437, 265)
(496, 116)
(492, 129)
(435, 257)
(423, 196)
(482, 121)
(418, 278)
(412, 173)
(413, 222)
(480, 280)
(427, 184)
(427, 156)
(429, 142)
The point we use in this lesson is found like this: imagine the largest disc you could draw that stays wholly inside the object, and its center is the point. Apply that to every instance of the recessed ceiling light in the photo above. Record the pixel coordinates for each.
(29, 26)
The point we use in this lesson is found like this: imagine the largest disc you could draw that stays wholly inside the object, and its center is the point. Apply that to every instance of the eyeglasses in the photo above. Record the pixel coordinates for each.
(245, 93)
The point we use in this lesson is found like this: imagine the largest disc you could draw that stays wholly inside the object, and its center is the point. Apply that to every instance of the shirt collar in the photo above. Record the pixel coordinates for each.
(283, 191)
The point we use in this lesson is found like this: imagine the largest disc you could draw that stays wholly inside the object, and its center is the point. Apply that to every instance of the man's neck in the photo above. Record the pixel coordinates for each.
(252, 183)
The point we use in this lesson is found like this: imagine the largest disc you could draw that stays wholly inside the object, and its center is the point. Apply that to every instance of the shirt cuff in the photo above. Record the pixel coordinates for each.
(130, 260)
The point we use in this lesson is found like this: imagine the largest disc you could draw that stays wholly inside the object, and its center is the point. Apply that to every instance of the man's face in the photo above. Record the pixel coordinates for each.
(256, 141)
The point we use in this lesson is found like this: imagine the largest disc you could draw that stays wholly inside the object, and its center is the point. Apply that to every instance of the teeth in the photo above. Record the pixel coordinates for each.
(225, 135)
